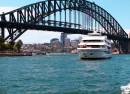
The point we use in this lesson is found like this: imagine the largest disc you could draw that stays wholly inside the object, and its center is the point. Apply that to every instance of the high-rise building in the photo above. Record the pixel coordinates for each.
(67, 43)
(63, 37)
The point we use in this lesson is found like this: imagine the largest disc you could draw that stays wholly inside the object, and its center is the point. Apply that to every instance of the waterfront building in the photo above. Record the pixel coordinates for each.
(54, 40)
(67, 43)
(74, 43)
(55, 45)
(36, 47)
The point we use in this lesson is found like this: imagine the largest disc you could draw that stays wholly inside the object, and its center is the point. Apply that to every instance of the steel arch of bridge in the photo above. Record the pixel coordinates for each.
(33, 17)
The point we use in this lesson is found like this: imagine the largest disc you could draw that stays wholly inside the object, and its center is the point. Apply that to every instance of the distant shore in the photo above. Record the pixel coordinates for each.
(12, 53)
(15, 54)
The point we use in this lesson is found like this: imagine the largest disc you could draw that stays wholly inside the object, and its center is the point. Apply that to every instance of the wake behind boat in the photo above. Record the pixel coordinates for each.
(95, 46)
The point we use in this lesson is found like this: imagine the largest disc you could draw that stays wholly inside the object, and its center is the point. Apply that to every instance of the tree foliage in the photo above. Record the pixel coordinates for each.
(5, 46)
(1, 43)
(18, 45)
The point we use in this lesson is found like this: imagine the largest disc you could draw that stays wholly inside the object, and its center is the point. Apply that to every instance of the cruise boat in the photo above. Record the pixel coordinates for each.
(95, 46)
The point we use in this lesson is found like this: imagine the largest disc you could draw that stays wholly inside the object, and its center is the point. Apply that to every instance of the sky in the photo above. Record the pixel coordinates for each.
(119, 9)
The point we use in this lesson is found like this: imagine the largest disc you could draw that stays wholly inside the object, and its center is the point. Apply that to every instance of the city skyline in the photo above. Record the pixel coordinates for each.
(39, 36)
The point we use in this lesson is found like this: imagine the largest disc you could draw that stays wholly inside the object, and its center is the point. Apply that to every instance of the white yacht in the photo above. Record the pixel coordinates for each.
(94, 46)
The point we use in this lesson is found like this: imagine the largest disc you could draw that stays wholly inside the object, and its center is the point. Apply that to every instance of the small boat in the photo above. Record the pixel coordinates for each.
(94, 46)
(125, 89)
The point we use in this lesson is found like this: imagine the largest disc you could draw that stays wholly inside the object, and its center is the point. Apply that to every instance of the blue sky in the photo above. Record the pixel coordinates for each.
(119, 9)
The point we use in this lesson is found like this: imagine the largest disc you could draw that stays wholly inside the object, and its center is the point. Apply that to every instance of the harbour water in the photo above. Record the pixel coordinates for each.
(63, 74)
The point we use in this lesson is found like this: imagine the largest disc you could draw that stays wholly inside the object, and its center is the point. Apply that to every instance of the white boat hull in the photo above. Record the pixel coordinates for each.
(94, 54)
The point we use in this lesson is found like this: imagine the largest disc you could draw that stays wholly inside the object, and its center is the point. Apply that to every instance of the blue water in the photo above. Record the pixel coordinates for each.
(63, 74)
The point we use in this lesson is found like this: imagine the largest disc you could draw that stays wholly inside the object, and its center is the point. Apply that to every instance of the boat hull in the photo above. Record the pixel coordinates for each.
(94, 54)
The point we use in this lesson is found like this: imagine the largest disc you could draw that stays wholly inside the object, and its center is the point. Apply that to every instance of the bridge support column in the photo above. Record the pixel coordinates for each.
(129, 46)
(2, 33)
(124, 47)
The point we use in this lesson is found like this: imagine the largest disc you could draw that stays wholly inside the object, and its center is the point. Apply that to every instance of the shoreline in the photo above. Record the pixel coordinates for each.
(15, 54)
(31, 54)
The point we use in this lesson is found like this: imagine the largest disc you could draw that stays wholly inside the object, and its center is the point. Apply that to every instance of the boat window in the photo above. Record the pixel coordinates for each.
(109, 47)
(103, 46)
(94, 46)
(91, 46)
(92, 40)
(82, 46)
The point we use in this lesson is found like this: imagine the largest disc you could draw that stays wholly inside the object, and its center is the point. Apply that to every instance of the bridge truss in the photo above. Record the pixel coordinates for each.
(68, 16)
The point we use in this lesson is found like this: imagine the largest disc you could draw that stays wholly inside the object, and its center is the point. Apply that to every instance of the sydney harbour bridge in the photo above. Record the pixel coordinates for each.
(68, 16)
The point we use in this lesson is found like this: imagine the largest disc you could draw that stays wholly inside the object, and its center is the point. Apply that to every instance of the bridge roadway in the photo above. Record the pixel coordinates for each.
(45, 27)
(55, 29)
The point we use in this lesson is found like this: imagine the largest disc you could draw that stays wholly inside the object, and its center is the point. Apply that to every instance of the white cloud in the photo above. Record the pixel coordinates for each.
(127, 30)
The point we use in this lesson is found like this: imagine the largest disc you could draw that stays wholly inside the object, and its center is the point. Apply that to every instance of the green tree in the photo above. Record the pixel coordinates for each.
(1, 43)
(18, 45)
(8, 46)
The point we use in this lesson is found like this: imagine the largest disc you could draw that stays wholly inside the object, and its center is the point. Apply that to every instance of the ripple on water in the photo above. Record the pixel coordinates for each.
(65, 74)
